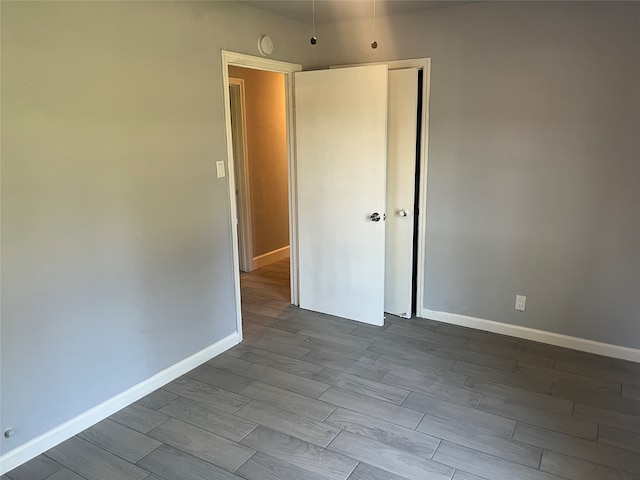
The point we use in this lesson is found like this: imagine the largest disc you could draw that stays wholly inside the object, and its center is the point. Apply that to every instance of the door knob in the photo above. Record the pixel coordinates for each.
(402, 213)
(375, 217)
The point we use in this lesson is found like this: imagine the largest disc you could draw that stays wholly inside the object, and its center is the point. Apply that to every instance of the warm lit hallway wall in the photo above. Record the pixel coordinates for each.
(266, 121)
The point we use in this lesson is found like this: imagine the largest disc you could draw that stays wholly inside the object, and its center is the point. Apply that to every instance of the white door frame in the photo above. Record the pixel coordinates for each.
(288, 69)
(423, 64)
(241, 172)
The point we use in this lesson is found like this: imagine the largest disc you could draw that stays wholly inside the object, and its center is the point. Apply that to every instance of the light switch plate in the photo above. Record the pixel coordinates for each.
(220, 169)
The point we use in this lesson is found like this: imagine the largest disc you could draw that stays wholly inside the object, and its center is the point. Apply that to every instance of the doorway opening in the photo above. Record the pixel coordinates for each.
(415, 274)
(259, 133)
(260, 159)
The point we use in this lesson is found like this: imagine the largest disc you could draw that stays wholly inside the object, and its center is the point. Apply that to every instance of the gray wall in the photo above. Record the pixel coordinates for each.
(116, 236)
(534, 158)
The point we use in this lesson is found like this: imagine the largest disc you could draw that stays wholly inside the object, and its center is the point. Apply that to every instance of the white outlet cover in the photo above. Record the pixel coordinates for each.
(521, 302)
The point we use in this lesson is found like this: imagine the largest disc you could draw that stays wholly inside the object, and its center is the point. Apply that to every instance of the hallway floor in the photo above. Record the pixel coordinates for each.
(310, 396)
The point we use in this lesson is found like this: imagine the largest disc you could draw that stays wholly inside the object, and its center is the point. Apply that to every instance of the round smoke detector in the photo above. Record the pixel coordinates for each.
(265, 45)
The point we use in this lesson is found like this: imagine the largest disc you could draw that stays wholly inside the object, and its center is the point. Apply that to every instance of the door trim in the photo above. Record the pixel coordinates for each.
(423, 64)
(248, 61)
(241, 171)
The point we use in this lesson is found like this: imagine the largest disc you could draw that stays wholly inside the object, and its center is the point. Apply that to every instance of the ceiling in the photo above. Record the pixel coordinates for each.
(329, 11)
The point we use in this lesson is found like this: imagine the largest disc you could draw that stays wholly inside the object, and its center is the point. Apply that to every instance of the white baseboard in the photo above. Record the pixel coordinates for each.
(270, 257)
(551, 338)
(59, 434)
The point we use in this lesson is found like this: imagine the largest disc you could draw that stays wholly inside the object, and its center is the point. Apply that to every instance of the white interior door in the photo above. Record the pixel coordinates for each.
(341, 152)
(401, 167)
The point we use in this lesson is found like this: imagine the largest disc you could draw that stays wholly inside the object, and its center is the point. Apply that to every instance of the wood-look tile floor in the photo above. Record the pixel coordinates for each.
(310, 396)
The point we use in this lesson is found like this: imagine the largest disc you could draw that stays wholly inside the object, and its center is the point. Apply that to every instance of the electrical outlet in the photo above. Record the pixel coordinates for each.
(521, 302)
